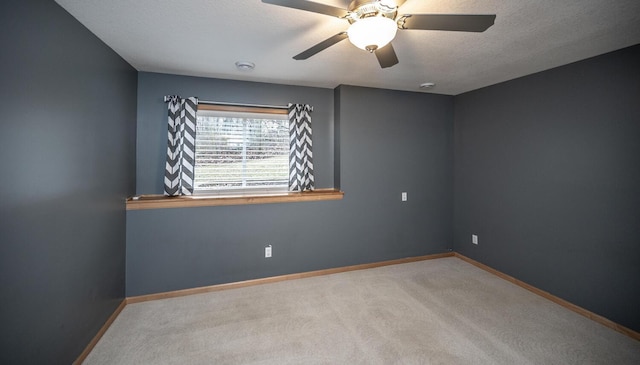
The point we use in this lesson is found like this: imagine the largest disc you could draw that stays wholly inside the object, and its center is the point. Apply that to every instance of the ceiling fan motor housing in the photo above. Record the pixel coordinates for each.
(360, 9)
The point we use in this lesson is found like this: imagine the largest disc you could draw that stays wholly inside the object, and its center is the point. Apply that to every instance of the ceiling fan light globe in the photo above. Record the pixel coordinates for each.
(373, 32)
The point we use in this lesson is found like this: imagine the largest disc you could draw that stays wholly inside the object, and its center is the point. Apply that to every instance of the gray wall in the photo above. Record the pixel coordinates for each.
(68, 147)
(390, 142)
(547, 173)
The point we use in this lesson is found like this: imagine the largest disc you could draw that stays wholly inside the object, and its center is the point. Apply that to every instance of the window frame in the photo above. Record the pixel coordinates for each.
(245, 109)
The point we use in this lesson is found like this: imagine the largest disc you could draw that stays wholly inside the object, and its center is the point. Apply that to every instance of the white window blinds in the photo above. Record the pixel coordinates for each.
(241, 150)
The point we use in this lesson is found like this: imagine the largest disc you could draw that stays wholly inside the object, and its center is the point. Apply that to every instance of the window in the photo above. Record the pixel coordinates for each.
(241, 148)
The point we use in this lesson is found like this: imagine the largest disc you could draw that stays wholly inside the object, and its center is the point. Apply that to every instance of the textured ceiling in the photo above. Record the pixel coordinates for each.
(206, 38)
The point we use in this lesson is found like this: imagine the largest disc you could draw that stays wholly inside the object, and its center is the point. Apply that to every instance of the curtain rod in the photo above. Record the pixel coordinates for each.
(286, 107)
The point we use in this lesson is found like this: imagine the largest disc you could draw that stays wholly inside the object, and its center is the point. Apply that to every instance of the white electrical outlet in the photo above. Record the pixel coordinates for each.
(267, 251)
(474, 239)
(404, 196)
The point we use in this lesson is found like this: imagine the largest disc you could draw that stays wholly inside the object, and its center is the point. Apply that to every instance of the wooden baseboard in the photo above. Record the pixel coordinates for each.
(100, 333)
(241, 284)
(274, 279)
(592, 316)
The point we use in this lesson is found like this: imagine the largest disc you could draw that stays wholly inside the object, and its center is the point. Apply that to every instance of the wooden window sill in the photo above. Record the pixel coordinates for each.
(161, 202)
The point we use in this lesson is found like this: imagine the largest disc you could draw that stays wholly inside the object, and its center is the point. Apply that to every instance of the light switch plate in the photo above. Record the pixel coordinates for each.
(267, 251)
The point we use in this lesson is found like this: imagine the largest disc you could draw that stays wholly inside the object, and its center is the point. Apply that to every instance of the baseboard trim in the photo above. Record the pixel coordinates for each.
(241, 284)
(572, 307)
(100, 333)
(275, 279)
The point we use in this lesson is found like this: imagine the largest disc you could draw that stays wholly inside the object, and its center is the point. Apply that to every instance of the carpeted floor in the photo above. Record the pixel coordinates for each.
(442, 311)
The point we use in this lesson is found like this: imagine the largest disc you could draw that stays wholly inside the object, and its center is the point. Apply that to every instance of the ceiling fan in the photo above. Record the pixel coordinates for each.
(373, 25)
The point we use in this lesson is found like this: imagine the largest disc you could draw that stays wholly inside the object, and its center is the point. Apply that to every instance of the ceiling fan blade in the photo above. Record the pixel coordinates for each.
(387, 56)
(310, 6)
(460, 23)
(321, 46)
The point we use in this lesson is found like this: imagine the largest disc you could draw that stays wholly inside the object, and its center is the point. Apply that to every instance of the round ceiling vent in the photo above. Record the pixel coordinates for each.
(245, 65)
(427, 85)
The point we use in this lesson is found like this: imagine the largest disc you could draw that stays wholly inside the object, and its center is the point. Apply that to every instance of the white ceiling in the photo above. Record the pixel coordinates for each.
(206, 38)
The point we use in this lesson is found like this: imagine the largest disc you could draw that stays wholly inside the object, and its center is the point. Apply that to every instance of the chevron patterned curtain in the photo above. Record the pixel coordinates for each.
(181, 147)
(300, 154)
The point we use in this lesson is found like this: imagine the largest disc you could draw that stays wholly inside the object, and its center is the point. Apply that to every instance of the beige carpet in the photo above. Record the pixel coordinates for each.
(442, 311)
